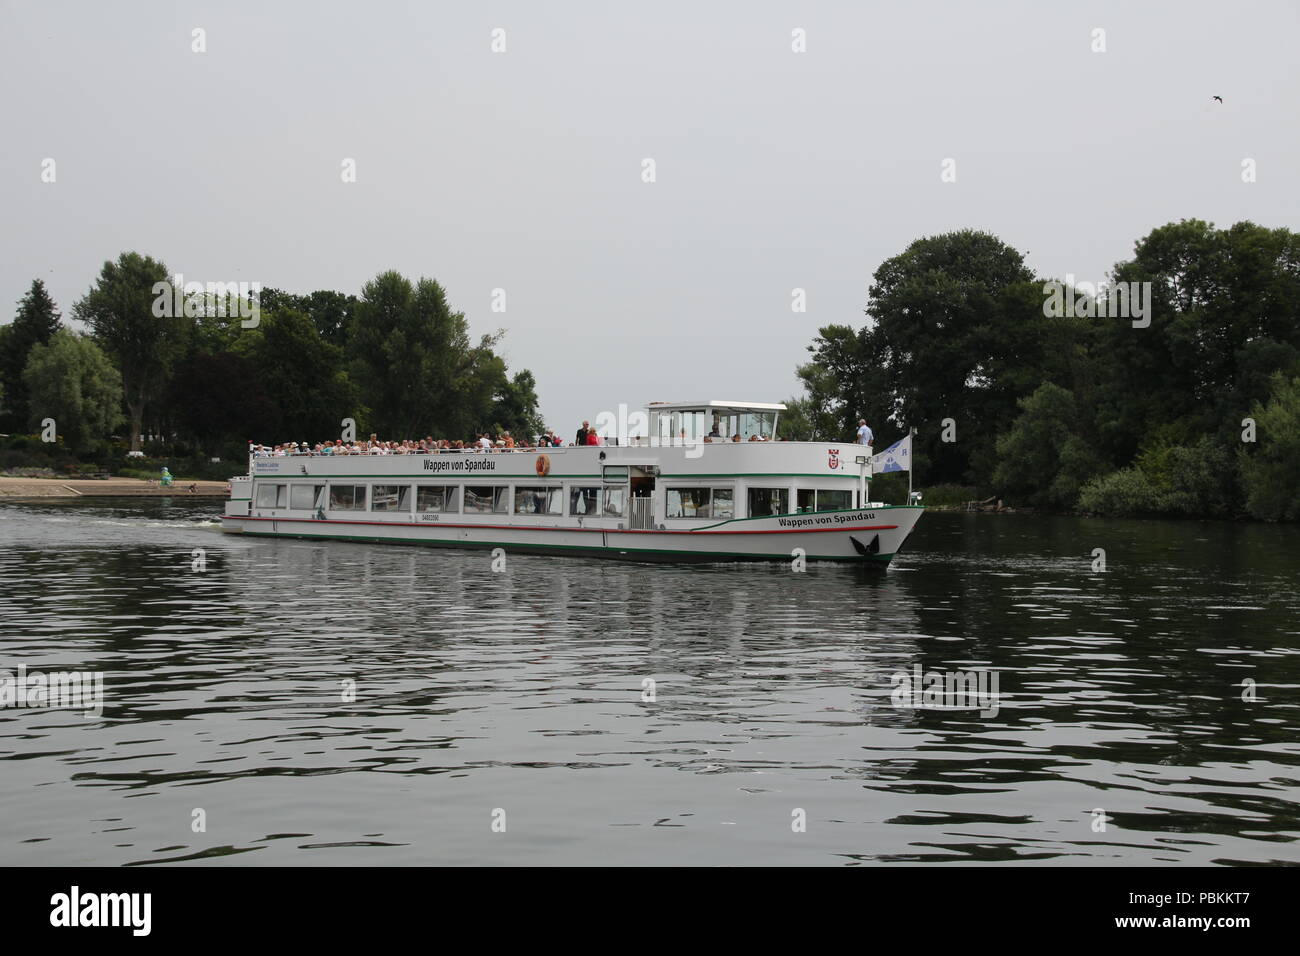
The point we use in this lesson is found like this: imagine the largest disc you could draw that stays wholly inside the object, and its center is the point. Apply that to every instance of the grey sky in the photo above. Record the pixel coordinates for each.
(522, 170)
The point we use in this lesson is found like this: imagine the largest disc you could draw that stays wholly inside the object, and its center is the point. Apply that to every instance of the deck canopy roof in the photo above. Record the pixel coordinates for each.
(696, 420)
(702, 406)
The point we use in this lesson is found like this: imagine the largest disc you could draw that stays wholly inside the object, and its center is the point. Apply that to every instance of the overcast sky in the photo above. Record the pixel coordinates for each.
(523, 170)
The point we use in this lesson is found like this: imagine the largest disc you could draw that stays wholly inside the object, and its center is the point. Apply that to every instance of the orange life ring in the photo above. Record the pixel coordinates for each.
(543, 466)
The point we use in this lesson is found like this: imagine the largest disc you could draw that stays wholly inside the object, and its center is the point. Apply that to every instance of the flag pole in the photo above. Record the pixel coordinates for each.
(911, 456)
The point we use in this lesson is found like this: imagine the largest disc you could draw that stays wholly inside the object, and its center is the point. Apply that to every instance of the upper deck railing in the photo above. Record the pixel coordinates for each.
(544, 449)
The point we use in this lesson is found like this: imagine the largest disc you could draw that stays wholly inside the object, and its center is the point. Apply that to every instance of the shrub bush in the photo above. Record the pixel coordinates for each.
(1121, 494)
(947, 496)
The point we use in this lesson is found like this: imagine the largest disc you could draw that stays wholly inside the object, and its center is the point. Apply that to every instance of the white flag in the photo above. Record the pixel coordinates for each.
(897, 457)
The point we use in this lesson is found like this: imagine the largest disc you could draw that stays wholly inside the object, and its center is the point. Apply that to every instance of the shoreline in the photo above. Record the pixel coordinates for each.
(106, 488)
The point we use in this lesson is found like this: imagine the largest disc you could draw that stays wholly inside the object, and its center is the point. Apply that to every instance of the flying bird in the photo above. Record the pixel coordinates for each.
(1219, 98)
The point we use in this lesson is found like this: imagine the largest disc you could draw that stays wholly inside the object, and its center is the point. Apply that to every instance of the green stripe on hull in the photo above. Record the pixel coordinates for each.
(577, 550)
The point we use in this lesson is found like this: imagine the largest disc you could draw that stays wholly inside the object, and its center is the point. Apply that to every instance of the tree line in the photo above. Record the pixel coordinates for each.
(397, 359)
(1193, 411)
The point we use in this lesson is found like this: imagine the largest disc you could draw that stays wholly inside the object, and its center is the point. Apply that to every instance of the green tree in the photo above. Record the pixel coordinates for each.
(957, 332)
(72, 381)
(843, 383)
(34, 324)
(515, 406)
(1046, 456)
(303, 379)
(796, 423)
(220, 402)
(1225, 316)
(1270, 472)
(120, 310)
(331, 312)
(418, 371)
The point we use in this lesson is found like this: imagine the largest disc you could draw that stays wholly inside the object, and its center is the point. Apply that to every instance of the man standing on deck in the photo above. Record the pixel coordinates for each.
(582, 433)
(865, 437)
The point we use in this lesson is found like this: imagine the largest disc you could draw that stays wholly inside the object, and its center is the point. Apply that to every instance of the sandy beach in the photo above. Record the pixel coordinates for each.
(105, 488)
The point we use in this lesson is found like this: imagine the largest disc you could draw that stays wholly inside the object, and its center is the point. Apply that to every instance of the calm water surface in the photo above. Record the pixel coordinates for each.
(521, 692)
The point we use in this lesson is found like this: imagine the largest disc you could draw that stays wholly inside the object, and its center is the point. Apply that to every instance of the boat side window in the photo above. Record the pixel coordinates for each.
(724, 505)
(436, 498)
(838, 499)
(700, 503)
(347, 497)
(768, 501)
(583, 500)
(305, 497)
(688, 503)
(539, 500)
(615, 502)
(805, 500)
(486, 499)
(390, 498)
(272, 496)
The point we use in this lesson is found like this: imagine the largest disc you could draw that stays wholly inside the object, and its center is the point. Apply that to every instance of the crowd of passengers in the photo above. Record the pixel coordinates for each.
(424, 446)
(586, 435)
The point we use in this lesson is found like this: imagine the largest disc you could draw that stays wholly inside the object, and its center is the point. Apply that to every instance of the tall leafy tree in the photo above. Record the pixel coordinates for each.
(795, 423)
(220, 401)
(331, 312)
(119, 309)
(34, 324)
(72, 381)
(956, 332)
(1225, 317)
(304, 380)
(515, 407)
(1047, 455)
(420, 373)
(1270, 472)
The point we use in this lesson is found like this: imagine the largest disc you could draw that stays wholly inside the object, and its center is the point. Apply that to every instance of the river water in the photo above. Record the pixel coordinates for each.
(285, 702)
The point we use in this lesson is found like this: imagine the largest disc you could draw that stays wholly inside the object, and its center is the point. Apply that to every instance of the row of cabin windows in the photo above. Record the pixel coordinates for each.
(594, 500)
(449, 499)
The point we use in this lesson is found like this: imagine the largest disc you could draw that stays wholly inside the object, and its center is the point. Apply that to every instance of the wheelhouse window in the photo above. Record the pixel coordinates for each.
(700, 503)
(390, 498)
(539, 500)
(487, 499)
(584, 501)
(442, 498)
(762, 424)
(272, 496)
(305, 497)
(824, 499)
(838, 499)
(347, 497)
(768, 501)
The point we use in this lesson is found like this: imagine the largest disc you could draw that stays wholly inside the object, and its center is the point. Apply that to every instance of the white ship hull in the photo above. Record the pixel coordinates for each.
(872, 535)
(641, 500)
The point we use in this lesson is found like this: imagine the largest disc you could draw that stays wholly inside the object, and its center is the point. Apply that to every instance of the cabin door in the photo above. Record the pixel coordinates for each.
(642, 517)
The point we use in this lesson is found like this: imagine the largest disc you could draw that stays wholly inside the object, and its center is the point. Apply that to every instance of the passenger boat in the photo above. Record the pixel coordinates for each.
(675, 494)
